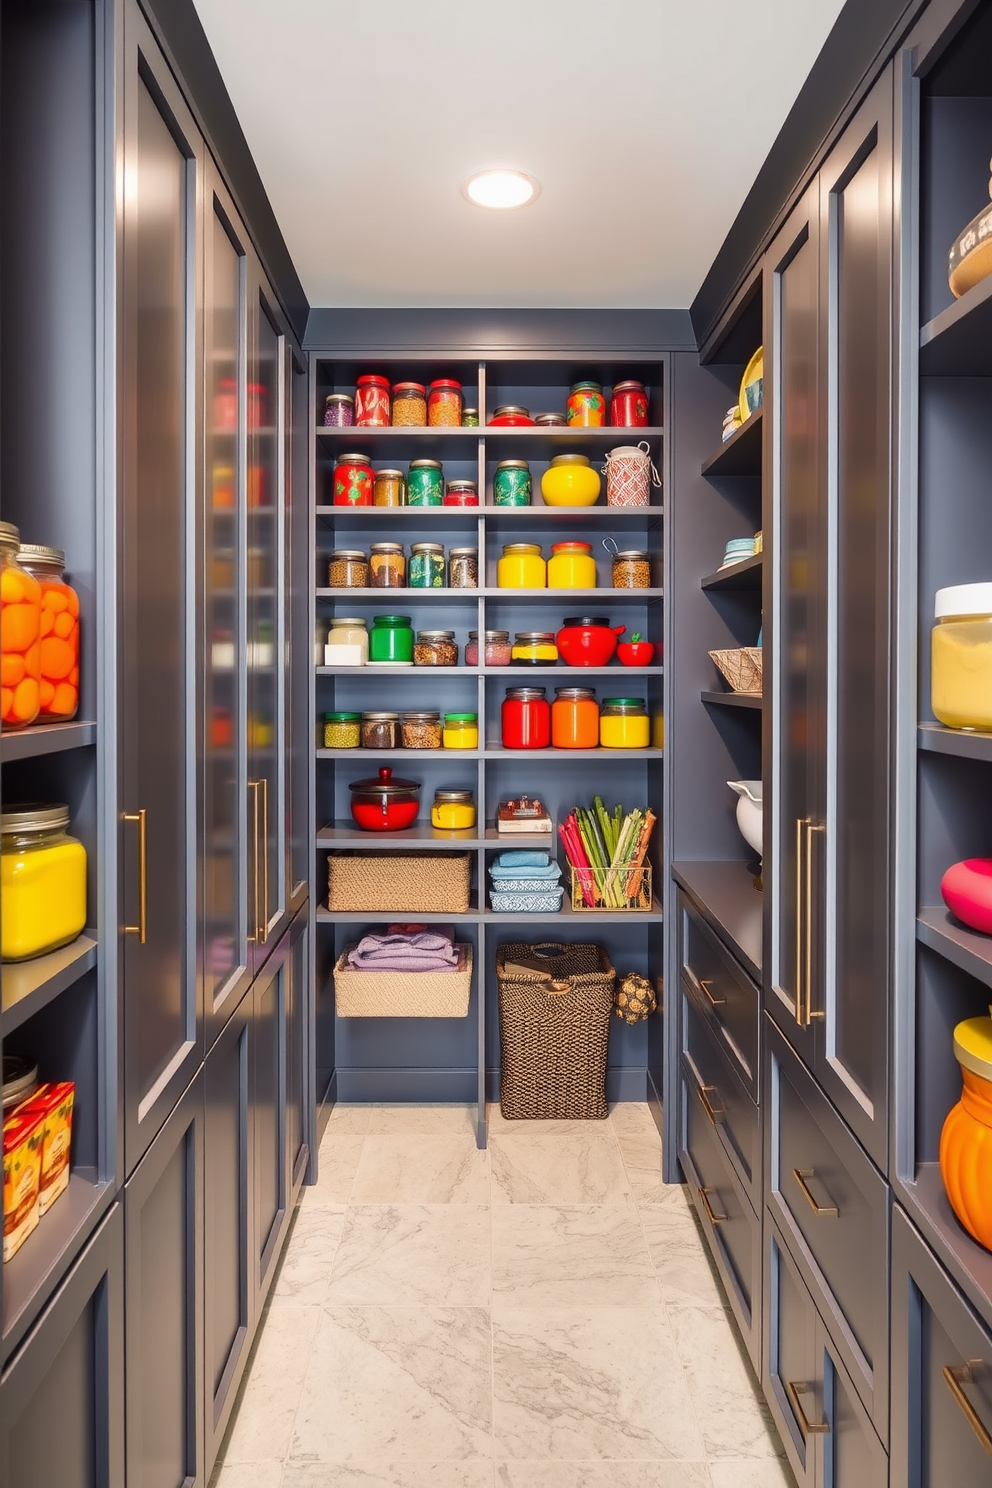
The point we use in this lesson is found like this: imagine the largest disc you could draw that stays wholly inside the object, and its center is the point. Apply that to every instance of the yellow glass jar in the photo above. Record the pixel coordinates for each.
(453, 810)
(522, 566)
(570, 481)
(961, 657)
(461, 731)
(624, 724)
(571, 566)
(42, 882)
(534, 648)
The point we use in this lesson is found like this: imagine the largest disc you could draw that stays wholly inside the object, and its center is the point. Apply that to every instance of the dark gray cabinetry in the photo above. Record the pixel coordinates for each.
(270, 1165)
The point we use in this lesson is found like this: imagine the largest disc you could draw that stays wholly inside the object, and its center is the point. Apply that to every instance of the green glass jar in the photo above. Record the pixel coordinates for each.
(512, 483)
(470, 418)
(425, 483)
(427, 565)
(391, 641)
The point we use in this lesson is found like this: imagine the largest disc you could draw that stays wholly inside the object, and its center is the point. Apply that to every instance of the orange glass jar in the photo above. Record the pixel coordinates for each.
(59, 652)
(575, 719)
(20, 625)
(966, 1138)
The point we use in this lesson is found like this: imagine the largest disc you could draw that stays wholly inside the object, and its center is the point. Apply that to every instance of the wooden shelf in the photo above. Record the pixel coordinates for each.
(725, 895)
(46, 738)
(559, 597)
(970, 1264)
(958, 341)
(937, 928)
(28, 986)
(740, 455)
(963, 743)
(734, 699)
(745, 575)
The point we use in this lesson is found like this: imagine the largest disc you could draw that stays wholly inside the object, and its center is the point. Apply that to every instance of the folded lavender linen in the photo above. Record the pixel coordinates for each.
(425, 950)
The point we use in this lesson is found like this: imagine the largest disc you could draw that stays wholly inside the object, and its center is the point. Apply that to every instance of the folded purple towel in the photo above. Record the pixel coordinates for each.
(424, 951)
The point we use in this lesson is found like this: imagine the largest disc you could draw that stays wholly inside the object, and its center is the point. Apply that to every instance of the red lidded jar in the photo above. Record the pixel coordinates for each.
(372, 401)
(629, 406)
(353, 481)
(525, 718)
(444, 404)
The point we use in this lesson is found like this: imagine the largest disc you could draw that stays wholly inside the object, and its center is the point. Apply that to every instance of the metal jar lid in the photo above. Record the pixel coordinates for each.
(513, 465)
(39, 553)
(388, 475)
(630, 385)
(454, 797)
(462, 485)
(550, 420)
(349, 554)
(570, 460)
(331, 397)
(535, 638)
(463, 552)
(347, 620)
(516, 550)
(490, 635)
(428, 636)
(20, 1079)
(427, 547)
(428, 717)
(354, 459)
(33, 816)
(10, 537)
(466, 411)
(635, 555)
(577, 387)
(512, 410)
(380, 717)
(574, 692)
(425, 464)
(409, 389)
(526, 694)
(386, 547)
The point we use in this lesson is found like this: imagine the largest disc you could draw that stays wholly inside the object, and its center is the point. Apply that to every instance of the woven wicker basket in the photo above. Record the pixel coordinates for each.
(401, 883)
(402, 994)
(741, 666)
(554, 1032)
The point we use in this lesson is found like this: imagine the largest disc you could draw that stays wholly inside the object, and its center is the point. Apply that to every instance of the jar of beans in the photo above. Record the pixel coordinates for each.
(631, 567)
(342, 730)
(380, 730)
(389, 488)
(348, 569)
(339, 411)
(421, 730)
(410, 404)
(387, 563)
(463, 568)
(425, 483)
(496, 648)
(444, 404)
(435, 648)
(427, 565)
(461, 493)
(372, 401)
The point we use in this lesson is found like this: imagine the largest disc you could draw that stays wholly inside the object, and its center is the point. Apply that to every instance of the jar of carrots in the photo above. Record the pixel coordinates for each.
(58, 695)
(20, 627)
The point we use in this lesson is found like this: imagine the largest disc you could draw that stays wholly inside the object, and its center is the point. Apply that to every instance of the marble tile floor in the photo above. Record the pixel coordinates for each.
(540, 1315)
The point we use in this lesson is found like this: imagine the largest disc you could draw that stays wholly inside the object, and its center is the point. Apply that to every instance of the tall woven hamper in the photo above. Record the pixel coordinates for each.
(554, 1031)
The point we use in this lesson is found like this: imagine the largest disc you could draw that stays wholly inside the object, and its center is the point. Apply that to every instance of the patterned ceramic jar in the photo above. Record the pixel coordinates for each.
(586, 408)
(630, 474)
(372, 401)
(425, 484)
(353, 480)
(512, 483)
(629, 405)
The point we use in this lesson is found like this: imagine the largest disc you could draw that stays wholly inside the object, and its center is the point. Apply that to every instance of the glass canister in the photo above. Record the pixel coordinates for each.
(534, 648)
(222, 485)
(58, 691)
(421, 730)
(425, 484)
(353, 481)
(347, 642)
(629, 405)
(461, 493)
(630, 474)
(463, 568)
(571, 566)
(631, 567)
(470, 418)
(575, 718)
(512, 485)
(380, 730)
(427, 565)
(339, 411)
(495, 648)
(525, 718)
(521, 566)
(372, 401)
(511, 416)
(342, 730)
(444, 404)
(42, 881)
(409, 405)
(348, 568)
(453, 810)
(387, 565)
(961, 657)
(461, 731)
(389, 488)
(586, 407)
(550, 420)
(391, 640)
(435, 648)
(20, 628)
(624, 724)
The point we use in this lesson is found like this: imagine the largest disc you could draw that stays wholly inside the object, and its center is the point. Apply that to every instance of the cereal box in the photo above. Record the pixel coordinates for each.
(53, 1103)
(23, 1136)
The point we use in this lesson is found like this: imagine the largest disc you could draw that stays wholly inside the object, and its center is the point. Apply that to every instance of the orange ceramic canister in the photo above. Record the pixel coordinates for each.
(20, 626)
(59, 687)
(966, 1138)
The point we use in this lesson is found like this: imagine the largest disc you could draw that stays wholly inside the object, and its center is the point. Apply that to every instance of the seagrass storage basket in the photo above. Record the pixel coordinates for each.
(402, 994)
(741, 665)
(399, 882)
(554, 1030)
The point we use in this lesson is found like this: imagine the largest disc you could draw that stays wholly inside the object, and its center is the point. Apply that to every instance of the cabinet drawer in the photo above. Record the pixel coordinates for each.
(729, 1223)
(941, 1373)
(722, 989)
(716, 1085)
(832, 1208)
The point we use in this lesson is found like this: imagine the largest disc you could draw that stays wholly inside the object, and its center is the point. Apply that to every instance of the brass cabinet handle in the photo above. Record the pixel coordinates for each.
(795, 1388)
(702, 984)
(957, 1375)
(811, 827)
(822, 1211)
(801, 824)
(717, 1114)
(714, 1219)
(253, 787)
(141, 928)
(264, 926)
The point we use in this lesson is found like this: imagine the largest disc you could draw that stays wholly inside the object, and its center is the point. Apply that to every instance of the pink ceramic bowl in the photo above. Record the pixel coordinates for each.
(967, 891)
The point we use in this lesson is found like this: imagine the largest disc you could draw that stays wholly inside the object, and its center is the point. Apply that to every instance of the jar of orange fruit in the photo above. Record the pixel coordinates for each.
(20, 627)
(59, 631)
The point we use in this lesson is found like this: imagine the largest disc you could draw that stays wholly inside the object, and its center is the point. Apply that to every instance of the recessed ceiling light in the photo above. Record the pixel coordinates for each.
(500, 189)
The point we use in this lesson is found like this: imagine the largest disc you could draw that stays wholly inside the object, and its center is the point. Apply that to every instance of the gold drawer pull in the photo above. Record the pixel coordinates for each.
(795, 1388)
(717, 1114)
(702, 984)
(822, 1211)
(141, 928)
(957, 1375)
(714, 1219)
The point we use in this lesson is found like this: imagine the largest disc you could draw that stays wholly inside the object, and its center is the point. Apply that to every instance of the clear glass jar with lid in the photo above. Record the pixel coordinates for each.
(348, 568)
(20, 627)
(410, 404)
(58, 693)
(534, 648)
(453, 810)
(961, 657)
(347, 642)
(496, 648)
(427, 565)
(387, 565)
(624, 724)
(389, 488)
(521, 566)
(42, 881)
(463, 568)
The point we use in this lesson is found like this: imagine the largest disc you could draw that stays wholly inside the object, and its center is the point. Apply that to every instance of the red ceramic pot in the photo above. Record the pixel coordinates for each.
(385, 804)
(967, 891)
(587, 640)
(511, 416)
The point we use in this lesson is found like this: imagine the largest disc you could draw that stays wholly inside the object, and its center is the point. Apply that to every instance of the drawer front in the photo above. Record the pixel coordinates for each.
(724, 1098)
(729, 1223)
(941, 1373)
(832, 1208)
(723, 990)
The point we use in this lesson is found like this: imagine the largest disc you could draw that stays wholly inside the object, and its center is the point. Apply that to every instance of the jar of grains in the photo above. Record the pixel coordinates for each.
(372, 401)
(425, 484)
(435, 648)
(512, 483)
(461, 493)
(444, 404)
(463, 568)
(631, 566)
(427, 565)
(470, 418)
(348, 569)
(496, 648)
(387, 564)
(461, 731)
(380, 730)
(409, 405)
(339, 411)
(389, 488)
(342, 730)
(421, 730)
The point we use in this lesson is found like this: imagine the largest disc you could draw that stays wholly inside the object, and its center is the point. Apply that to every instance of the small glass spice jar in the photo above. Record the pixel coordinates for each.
(391, 640)
(571, 566)
(380, 730)
(347, 642)
(436, 648)
(534, 648)
(372, 402)
(525, 719)
(512, 485)
(387, 565)
(461, 493)
(496, 648)
(461, 731)
(58, 688)
(425, 483)
(521, 566)
(586, 407)
(575, 718)
(470, 418)
(427, 565)
(348, 568)
(342, 730)
(631, 567)
(353, 480)
(409, 405)
(453, 810)
(463, 568)
(339, 411)
(624, 724)
(511, 416)
(421, 730)
(629, 405)
(444, 404)
(550, 420)
(389, 488)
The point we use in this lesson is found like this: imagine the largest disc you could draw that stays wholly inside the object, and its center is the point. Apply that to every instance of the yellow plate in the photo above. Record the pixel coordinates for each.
(754, 371)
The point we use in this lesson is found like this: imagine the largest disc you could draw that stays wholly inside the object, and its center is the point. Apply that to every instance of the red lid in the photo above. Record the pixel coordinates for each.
(559, 547)
(372, 379)
(445, 382)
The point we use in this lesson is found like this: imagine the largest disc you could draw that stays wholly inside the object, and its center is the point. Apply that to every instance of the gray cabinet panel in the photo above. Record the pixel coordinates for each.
(722, 991)
(269, 1163)
(724, 1099)
(789, 1355)
(297, 1084)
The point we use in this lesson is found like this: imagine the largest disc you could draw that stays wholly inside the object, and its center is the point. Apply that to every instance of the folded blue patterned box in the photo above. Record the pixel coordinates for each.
(546, 900)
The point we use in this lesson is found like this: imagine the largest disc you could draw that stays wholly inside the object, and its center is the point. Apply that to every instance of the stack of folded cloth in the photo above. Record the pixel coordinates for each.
(525, 883)
(408, 948)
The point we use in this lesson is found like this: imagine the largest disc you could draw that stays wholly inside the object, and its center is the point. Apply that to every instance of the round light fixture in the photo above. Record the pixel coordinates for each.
(500, 189)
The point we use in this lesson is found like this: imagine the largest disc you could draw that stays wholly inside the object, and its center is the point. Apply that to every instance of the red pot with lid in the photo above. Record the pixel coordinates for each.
(588, 640)
(385, 804)
(511, 416)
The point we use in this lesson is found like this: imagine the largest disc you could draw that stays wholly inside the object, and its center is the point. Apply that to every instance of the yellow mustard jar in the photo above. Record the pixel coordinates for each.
(624, 724)
(461, 731)
(42, 882)
(961, 657)
(453, 810)
(571, 566)
(522, 566)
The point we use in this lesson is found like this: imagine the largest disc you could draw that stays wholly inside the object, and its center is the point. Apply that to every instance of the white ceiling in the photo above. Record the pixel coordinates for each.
(645, 121)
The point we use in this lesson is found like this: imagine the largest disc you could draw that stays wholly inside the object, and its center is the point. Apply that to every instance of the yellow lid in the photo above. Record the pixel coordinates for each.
(973, 1045)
